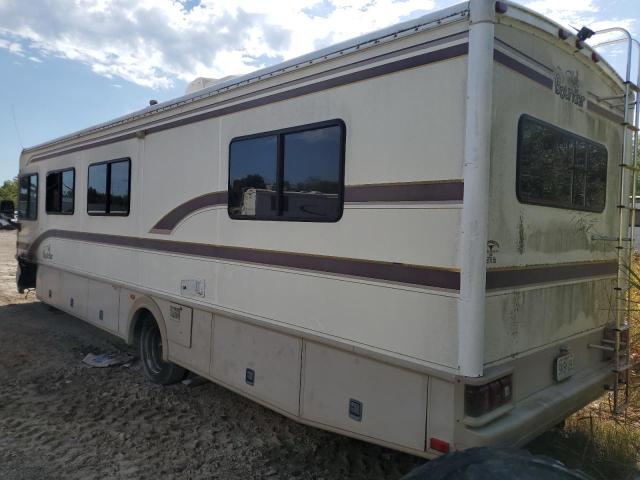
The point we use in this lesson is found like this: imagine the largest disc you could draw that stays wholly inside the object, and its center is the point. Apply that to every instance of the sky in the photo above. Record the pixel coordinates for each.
(68, 64)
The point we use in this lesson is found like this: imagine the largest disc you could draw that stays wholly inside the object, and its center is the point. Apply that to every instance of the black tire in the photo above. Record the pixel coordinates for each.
(494, 464)
(156, 369)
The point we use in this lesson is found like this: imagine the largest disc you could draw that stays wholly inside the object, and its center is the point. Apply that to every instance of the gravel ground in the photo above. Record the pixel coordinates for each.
(62, 419)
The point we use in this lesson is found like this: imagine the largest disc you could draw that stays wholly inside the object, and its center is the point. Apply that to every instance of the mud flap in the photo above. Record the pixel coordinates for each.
(26, 274)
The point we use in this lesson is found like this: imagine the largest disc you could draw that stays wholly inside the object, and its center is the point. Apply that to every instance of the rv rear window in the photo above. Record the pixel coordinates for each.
(28, 197)
(294, 174)
(60, 192)
(557, 168)
(108, 191)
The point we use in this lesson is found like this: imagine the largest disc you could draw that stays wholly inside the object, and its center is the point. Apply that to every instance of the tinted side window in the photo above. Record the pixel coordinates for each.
(68, 191)
(28, 197)
(119, 188)
(60, 192)
(559, 169)
(311, 175)
(294, 174)
(252, 177)
(97, 189)
(108, 191)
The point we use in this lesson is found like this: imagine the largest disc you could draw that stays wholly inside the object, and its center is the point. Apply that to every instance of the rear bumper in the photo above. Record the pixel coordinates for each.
(539, 412)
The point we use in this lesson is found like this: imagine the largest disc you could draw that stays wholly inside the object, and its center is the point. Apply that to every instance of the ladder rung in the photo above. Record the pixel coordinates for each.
(601, 347)
(633, 86)
(622, 368)
(613, 342)
(622, 328)
(629, 167)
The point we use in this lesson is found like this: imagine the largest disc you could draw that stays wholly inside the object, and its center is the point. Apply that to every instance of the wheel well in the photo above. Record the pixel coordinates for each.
(141, 317)
(144, 310)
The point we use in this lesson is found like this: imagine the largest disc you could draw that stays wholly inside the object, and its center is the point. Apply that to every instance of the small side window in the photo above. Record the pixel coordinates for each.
(60, 197)
(108, 191)
(28, 197)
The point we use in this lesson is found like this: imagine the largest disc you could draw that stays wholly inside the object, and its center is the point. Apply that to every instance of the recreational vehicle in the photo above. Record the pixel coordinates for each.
(416, 238)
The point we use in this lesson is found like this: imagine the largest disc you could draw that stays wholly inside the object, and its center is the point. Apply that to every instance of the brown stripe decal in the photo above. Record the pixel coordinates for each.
(522, 69)
(406, 192)
(175, 216)
(392, 272)
(608, 114)
(520, 277)
(365, 74)
(448, 191)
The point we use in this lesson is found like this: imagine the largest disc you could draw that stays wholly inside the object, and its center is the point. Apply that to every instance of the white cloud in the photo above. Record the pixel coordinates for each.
(580, 13)
(154, 42)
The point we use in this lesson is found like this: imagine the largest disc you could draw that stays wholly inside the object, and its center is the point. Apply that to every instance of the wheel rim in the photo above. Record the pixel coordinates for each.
(153, 351)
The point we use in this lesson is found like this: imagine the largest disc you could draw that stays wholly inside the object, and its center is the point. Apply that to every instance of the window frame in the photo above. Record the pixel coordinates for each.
(280, 170)
(574, 136)
(20, 217)
(46, 191)
(107, 213)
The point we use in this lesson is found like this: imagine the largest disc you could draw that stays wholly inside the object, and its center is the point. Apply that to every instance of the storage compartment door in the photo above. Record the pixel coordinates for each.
(260, 362)
(373, 399)
(75, 294)
(48, 285)
(104, 301)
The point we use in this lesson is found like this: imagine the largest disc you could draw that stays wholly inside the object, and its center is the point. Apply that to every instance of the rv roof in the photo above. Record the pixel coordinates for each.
(268, 72)
(452, 13)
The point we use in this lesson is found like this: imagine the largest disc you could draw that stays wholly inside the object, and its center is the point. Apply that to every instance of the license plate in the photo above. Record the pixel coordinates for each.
(565, 366)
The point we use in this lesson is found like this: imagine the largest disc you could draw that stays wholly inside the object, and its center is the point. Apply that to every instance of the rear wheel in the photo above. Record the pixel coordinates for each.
(156, 369)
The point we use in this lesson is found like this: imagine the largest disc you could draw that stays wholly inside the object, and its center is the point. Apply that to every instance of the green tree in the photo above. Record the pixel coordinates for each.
(9, 190)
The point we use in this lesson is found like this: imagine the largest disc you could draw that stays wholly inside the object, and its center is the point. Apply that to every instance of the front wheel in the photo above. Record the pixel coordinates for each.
(156, 369)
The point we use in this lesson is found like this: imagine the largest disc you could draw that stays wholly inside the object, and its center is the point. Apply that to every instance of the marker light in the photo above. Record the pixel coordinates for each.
(501, 7)
(439, 445)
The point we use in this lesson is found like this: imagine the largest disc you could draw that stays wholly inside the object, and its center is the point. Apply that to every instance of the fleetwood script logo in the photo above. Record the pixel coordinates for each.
(567, 86)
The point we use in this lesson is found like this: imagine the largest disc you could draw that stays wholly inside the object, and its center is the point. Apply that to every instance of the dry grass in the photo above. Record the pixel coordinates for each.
(594, 440)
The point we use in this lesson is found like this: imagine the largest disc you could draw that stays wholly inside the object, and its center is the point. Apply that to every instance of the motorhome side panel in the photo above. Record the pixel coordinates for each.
(549, 276)
(243, 301)
(549, 279)
(351, 307)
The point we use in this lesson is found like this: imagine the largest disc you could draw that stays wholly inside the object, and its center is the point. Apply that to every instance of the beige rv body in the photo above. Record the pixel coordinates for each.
(319, 337)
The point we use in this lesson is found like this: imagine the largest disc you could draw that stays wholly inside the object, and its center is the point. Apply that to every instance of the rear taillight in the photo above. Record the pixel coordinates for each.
(482, 399)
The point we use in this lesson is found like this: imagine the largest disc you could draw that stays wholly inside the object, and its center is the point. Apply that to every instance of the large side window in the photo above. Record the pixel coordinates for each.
(294, 174)
(60, 196)
(557, 168)
(108, 189)
(28, 197)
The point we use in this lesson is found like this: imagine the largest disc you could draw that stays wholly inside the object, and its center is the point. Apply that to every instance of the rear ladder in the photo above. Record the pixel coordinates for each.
(617, 338)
